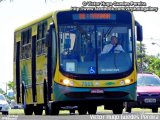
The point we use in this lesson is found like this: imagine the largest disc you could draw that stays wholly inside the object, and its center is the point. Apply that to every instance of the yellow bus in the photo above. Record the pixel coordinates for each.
(60, 62)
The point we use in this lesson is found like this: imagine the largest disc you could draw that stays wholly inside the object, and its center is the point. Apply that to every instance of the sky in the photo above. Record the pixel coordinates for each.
(14, 13)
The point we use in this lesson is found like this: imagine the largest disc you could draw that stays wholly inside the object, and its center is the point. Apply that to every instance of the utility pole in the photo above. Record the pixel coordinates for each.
(6, 88)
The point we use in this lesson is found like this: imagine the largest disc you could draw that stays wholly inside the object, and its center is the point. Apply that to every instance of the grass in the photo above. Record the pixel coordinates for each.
(16, 112)
(100, 109)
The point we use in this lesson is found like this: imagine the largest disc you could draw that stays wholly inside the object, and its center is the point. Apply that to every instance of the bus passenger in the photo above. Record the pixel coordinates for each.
(113, 46)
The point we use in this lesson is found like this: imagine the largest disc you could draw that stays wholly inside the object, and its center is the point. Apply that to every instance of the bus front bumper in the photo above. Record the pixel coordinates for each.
(71, 94)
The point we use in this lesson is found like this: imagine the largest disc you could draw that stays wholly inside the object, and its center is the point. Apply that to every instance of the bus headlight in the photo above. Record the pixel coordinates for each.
(122, 82)
(67, 82)
(127, 81)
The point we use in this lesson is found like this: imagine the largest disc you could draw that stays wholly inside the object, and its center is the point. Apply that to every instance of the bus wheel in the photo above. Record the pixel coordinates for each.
(82, 110)
(92, 109)
(155, 110)
(128, 109)
(45, 97)
(38, 110)
(54, 109)
(47, 112)
(28, 109)
(72, 111)
(117, 110)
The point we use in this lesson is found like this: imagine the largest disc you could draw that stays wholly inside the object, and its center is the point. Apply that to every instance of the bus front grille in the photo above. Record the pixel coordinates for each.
(97, 95)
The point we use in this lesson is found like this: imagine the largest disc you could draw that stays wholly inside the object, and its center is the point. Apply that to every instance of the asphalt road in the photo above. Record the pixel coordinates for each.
(99, 116)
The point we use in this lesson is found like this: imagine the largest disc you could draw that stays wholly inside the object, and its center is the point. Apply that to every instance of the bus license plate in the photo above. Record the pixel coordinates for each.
(150, 100)
(97, 91)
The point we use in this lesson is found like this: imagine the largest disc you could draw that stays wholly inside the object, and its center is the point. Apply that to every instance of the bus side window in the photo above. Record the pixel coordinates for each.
(42, 29)
(39, 47)
(29, 50)
(39, 34)
(43, 46)
(26, 44)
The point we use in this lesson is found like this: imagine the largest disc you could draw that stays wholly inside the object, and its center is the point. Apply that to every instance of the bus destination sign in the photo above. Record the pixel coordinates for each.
(94, 16)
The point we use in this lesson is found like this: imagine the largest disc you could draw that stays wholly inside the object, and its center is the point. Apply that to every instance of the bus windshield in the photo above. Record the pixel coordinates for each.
(88, 48)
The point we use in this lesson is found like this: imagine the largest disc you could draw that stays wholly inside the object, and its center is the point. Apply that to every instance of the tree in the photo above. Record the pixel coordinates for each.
(154, 66)
(150, 63)
(11, 85)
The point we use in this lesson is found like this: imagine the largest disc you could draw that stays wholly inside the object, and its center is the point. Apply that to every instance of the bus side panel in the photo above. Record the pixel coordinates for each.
(25, 72)
(41, 73)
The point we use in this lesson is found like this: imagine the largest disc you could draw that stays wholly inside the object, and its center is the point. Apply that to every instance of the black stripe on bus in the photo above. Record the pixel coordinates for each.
(34, 68)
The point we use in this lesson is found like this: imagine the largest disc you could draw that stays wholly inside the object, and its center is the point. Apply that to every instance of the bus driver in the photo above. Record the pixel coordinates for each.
(113, 46)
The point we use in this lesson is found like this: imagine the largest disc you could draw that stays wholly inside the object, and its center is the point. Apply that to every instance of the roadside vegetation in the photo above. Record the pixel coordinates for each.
(150, 63)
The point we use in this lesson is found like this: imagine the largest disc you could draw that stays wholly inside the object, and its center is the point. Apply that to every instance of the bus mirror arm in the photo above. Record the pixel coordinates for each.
(47, 39)
(139, 31)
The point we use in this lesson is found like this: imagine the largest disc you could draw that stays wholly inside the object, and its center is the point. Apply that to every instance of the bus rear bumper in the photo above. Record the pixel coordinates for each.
(73, 94)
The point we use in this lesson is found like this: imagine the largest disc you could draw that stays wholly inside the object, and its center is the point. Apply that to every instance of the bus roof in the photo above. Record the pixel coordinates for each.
(43, 18)
(34, 21)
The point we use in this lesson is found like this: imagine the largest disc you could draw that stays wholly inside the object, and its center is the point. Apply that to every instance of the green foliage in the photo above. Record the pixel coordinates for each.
(150, 63)
(154, 66)
(11, 85)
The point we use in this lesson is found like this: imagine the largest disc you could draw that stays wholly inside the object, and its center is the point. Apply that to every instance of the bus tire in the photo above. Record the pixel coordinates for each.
(45, 95)
(23, 93)
(47, 110)
(128, 109)
(155, 110)
(38, 110)
(72, 111)
(117, 110)
(82, 110)
(54, 109)
(28, 109)
(92, 109)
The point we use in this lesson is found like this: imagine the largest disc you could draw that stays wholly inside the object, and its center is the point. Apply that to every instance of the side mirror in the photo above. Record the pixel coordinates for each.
(139, 31)
(49, 35)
